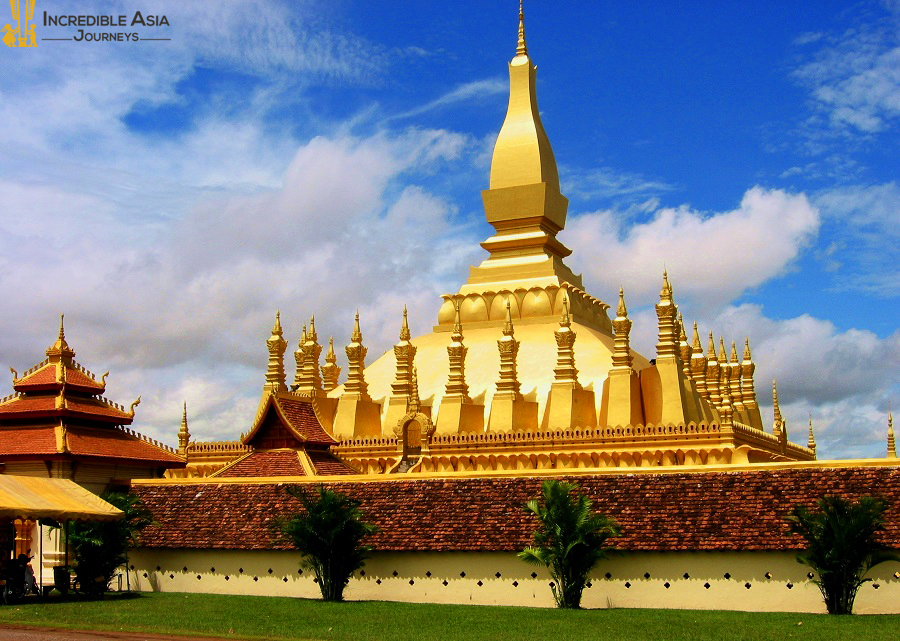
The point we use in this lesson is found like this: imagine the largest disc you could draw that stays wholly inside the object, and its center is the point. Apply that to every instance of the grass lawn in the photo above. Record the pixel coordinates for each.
(253, 617)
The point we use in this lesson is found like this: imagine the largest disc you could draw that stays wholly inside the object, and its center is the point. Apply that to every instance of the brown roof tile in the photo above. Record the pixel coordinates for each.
(304, 421)
(115, 443)
(21, 441)
(741, 510)
(274, 463)
(327, 463)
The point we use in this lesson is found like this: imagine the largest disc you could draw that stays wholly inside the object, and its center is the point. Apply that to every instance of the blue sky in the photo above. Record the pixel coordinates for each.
(322, 156)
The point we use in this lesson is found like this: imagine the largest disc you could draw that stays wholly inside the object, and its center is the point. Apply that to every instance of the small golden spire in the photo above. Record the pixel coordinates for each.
(405, 334)
(696, 346)
(457, 324)
(62, 328)
(747, 356)
(184, 436)
(521, 49)
(723, 355)
(665, 294)
(276, 328)
(330, 370)
(302, 336)
(312, 336)
(811, 441)
(356, 336)
(508, 327)
(621, 310)
(734, 358)
(711, 348)
(891, 444)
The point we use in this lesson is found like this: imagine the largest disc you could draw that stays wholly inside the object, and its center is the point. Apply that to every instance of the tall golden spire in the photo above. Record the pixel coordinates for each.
(298, 358)
(666, 313)
(565, 371)
(684, 349)
(891, 445)
(523, 203)
(778, 426)
(621, 357)
(356, 386)
(712, 374)
(456, 382)
(508, 385)
(184, 436)
(310, 379)
(401, 388)
(698, 364)
(276, 345)
(811, 441)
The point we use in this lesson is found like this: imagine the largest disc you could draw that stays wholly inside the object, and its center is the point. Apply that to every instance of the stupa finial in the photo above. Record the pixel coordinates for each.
(356, 336)
(811, 441)
(521, 49)
(621, 310)
(405, 334)
(665, 294)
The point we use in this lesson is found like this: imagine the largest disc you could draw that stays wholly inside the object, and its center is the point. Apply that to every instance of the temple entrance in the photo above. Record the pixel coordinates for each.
(412, 440)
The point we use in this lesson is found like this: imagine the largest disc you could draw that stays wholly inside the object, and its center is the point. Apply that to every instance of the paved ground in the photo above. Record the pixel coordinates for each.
(22, 633)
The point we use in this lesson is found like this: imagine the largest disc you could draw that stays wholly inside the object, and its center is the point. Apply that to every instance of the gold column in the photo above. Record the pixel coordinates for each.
(748, 393)
(621, 403)
(405, 354)
(568, 404)
(357, 415)
(509, 409)
(457, 412)
(276, 345)
(298, 358)
(310, 379)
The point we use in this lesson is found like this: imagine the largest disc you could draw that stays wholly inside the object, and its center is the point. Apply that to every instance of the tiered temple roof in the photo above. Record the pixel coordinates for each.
(57, 412)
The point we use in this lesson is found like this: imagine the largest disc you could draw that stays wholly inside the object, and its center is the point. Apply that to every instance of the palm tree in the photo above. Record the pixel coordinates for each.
(329, 534)
(101, 548)
(570, 540)
(842, 547)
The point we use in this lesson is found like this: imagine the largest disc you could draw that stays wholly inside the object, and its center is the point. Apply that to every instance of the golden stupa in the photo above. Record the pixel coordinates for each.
(524, 369)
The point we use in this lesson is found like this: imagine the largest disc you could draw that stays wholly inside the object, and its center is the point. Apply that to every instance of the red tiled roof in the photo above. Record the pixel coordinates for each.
(45, 378)
(741, 510)
(23, 406)
(328, 463)
(38, 378)
(115, 443)
(296, 417)
(274, 463)
(23, 441)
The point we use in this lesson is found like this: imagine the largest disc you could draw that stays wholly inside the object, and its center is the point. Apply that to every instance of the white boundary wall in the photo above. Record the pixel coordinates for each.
(686, 580)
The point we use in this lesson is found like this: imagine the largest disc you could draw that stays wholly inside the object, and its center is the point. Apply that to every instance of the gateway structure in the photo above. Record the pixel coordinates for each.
(524, 368)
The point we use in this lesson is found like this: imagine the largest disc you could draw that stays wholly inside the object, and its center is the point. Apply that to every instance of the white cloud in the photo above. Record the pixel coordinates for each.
(854, 79)
(713, 257)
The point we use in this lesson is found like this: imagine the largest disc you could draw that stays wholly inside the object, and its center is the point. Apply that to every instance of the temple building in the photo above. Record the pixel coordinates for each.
(56, 424)
(524, 368)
